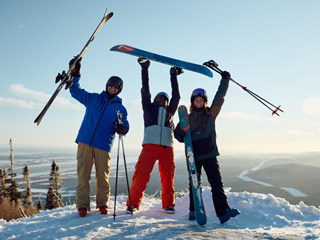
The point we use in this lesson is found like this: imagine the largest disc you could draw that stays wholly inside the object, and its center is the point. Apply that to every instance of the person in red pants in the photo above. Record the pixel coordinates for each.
(157, 143)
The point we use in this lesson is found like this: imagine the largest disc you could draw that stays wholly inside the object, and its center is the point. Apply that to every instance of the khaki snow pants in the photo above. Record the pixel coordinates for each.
(86, 155)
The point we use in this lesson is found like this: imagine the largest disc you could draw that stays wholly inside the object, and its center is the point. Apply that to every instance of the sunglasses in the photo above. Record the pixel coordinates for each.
(117, 86)
(199, 92)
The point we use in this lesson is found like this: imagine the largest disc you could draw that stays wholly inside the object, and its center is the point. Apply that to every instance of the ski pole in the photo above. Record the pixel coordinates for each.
(125, 167)
(116, 187)
(214, 66)
(117, 168)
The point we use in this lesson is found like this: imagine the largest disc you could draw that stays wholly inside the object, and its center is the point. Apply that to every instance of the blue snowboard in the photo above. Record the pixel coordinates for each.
(196, 191)
(162, 59)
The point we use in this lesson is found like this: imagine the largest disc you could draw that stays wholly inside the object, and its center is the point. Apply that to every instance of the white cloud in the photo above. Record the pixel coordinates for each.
(243, 116)
(311, 106)
(185, 103)
(308, 142)
(136, 103)
(296, 132)
(19, 103)
(37, 99)
(21, 91)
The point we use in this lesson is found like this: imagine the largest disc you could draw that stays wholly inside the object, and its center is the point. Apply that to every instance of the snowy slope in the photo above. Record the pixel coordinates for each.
(262, 216)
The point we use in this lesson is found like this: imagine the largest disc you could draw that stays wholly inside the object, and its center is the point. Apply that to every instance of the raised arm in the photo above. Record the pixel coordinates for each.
(220, 94)
(145, 90)
(174, 101)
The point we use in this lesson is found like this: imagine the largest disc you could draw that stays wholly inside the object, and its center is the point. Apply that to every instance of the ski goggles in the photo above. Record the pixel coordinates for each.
(199, 92)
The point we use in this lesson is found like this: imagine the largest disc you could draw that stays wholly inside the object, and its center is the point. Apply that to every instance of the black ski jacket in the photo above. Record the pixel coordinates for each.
(202, 126)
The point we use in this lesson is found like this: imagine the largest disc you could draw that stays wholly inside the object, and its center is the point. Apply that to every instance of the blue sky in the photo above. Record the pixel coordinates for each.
(271, 47)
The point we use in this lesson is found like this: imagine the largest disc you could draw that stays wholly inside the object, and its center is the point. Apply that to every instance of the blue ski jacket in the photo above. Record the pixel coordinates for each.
(98, 125)
(158, 121)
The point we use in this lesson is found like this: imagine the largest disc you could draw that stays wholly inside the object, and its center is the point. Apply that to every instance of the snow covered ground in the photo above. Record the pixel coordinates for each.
(262, 216)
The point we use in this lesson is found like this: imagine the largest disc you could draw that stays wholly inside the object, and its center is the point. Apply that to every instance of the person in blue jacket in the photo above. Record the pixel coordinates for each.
(95, 138)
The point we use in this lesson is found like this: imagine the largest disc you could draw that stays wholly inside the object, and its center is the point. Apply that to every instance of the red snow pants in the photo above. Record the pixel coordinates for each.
(149, 155)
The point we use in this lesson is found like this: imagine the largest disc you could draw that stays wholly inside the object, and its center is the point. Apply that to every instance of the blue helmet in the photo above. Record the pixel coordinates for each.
(162, 94)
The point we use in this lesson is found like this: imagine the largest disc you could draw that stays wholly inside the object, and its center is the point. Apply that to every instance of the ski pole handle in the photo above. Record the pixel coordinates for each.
(119, 116)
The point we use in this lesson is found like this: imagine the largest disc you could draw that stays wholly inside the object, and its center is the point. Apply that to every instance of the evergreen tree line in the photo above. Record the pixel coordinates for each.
(15, 204)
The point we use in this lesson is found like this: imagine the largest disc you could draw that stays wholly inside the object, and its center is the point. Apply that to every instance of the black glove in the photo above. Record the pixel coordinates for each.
(144, 63)
(182, 134)
(225, 75)
(176, 71)
(121, 129)
(76, 70)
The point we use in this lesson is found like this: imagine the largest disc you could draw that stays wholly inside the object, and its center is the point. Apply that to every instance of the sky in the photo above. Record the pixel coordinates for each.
(271, 47)
(262, 217)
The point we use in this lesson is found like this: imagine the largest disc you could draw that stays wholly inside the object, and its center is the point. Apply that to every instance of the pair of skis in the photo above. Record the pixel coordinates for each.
(65, 77)
(193, 176)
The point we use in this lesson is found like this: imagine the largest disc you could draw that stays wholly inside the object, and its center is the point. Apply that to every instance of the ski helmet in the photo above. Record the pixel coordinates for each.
(199, 92)
(161, 94)
(115, 81)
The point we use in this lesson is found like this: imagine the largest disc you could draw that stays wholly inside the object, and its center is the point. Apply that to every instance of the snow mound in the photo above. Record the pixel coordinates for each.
(262, 216)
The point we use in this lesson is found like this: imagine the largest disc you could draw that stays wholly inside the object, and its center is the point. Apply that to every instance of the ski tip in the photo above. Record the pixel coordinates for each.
(182, 107)
(122, 48)
(106, 17)
(106, 14)
(110, 15)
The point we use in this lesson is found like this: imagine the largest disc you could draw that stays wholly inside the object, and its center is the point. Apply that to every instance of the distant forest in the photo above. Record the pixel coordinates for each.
(16, 204)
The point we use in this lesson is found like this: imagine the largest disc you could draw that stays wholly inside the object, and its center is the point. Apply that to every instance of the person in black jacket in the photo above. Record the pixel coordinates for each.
(203, 133)
(157, 142)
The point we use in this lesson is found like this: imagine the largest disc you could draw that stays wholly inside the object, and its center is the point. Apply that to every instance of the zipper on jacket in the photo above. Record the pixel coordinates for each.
(161, 122)
(99, 122)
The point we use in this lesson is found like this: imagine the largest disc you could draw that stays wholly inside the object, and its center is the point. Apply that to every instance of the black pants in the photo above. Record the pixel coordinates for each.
(212, 169)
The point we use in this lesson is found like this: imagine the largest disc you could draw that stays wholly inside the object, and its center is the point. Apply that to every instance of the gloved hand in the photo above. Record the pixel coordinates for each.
(121, 129)
(176, 71)
(225, 75)
(76, 70)
(182, 134)
(144, 63)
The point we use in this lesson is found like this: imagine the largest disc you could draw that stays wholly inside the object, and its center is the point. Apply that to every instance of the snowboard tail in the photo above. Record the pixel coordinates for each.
(162, 59)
